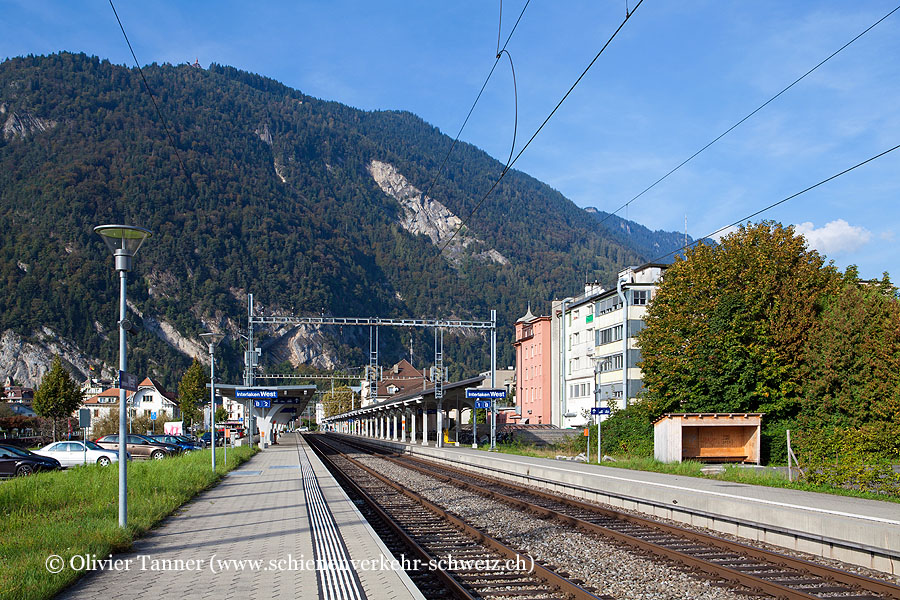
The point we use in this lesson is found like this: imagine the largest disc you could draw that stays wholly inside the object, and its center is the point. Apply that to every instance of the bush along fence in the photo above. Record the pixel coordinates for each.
(858, 458)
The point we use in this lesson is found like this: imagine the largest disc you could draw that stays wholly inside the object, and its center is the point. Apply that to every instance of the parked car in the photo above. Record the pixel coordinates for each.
(206, 439)
(139, 446)
(189, 439)
(70, 454)
(18, 461)
(184, 444)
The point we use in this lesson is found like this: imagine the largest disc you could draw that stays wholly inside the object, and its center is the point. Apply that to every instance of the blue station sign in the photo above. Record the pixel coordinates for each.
(255, 393)
(600, 411)
(481, 394)
(482, 404)
(262, 403)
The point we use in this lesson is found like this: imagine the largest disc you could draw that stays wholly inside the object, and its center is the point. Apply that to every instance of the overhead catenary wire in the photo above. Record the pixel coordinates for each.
(756, 110)
(477, 98)
(774, 204)
(162, 119)
(535, 134)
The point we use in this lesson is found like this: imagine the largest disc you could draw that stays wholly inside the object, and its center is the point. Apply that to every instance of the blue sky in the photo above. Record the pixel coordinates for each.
(678, 74)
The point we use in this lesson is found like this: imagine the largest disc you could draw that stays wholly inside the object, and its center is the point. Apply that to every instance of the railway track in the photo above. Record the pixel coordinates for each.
(754, 568)
(444, 556)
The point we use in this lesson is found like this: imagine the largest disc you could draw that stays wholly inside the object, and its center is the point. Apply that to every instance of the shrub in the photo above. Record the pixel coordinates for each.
(630, 431)
(774, 441)
(858, 458)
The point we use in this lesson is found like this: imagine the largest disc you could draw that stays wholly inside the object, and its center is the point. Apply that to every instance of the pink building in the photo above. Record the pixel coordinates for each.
(533, 360)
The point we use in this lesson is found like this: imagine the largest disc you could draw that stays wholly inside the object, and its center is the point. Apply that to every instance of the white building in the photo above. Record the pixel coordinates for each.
(596, 331)
(102, 404)
(151, 398)
(572, 340)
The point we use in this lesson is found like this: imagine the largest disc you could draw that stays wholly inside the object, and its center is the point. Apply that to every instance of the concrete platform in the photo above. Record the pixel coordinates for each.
(853, 530)
(266, 531)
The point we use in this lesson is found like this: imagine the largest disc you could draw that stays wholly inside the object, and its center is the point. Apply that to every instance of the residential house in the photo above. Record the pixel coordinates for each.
(398, 380)
(102, 404)
(152, 398)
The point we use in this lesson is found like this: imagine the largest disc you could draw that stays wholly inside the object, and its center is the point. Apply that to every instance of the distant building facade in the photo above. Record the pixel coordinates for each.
(102, 404)
(151, 398)
(534, 381)
(398, 380)
(597, 330)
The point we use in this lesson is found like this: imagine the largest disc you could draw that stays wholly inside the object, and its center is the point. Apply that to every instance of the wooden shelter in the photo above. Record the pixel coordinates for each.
(708, 437)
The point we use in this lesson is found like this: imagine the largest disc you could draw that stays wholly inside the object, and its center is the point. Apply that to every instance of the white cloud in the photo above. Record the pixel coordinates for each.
(834, 237)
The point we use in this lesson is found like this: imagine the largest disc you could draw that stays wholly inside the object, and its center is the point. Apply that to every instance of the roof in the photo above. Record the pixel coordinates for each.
(406, 379)
(147, 382)
(528, 317)
(105, 395)
(398, 398)
(710, 415)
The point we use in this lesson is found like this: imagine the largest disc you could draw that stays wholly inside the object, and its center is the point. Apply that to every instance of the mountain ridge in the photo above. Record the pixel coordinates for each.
(277, 199)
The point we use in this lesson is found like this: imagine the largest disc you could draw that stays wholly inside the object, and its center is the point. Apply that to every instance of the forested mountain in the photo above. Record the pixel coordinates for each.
(311, 205)
(652, 244)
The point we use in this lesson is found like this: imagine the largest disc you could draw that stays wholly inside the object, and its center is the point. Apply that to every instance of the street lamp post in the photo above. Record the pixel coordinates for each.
(598, 368)
(212, 339)
(123, 241)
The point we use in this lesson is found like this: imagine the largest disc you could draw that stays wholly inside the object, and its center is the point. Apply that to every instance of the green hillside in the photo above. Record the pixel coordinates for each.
(276, 200)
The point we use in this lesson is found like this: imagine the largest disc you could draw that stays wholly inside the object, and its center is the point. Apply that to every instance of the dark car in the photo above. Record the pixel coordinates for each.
(189, 439)
(139, 446)
(17, 461)
(183, 444)
(206, 439)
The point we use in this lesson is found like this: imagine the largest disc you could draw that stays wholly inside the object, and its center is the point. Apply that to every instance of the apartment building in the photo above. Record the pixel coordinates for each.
(595, 341)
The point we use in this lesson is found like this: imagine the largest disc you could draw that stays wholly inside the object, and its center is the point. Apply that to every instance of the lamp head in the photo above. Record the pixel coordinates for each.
(212, 338)
(123, 241)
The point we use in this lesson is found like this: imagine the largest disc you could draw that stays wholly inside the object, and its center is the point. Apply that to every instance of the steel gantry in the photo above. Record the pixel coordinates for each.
(374, 323)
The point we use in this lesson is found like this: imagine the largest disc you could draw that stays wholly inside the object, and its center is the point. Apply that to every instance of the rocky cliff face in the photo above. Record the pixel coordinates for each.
(21, 124)
(300, 345)
(27, 361)
(424, 215)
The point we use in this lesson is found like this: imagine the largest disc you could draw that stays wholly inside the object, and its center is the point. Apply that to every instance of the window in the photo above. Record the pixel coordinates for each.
(609, 335)
(613, 362)
(640, 297)
(608, 305)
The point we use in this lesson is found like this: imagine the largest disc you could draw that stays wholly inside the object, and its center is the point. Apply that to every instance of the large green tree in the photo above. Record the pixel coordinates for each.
(854, 357)
(192, 392)
(730, 324)
(339, 400)
(58, 395)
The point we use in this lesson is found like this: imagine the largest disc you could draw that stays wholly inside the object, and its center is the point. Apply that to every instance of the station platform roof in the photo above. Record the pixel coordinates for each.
(454, 394)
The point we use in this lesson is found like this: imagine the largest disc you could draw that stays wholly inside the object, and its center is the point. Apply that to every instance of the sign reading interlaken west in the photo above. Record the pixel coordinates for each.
(261, 398)
(484, 397)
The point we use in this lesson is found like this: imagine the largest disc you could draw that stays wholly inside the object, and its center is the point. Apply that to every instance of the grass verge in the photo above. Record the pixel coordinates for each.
(75, 512)
(733, 473)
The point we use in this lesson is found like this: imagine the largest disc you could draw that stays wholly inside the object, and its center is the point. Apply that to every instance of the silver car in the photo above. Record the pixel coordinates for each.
(70, 454)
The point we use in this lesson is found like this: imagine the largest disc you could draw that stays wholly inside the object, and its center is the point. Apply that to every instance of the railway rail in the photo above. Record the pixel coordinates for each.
(469, 563)
(755, 568)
